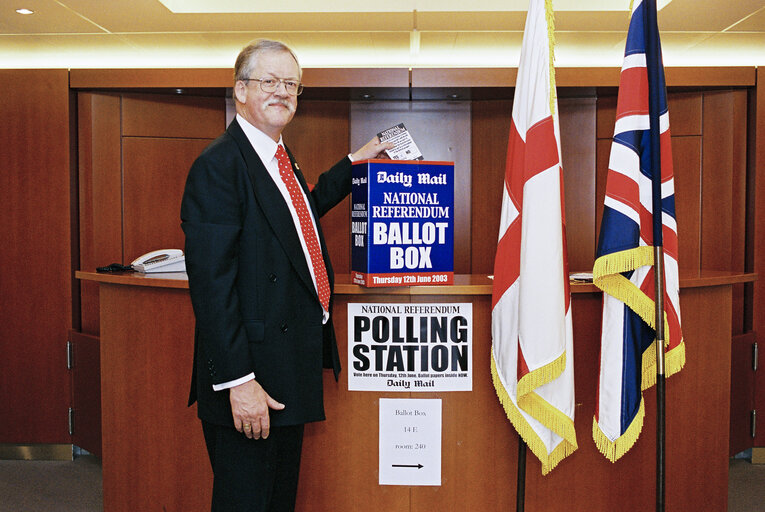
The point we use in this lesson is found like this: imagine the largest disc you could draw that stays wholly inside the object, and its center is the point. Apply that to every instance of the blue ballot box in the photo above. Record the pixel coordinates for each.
(402, 223)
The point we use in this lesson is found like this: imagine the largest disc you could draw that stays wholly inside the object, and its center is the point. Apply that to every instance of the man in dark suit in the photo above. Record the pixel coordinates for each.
(260, 282)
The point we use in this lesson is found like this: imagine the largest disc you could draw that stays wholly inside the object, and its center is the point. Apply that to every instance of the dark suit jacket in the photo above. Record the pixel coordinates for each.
(255, 304)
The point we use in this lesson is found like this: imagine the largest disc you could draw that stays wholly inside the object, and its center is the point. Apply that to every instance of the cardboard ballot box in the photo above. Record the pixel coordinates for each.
(402, 223)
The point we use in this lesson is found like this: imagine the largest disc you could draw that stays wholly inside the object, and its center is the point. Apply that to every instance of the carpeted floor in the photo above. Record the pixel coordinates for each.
(41, 486)
(51, 486)
(746, 486)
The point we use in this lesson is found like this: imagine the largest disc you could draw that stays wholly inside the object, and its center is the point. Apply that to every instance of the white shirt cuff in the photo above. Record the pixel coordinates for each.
(233, 383)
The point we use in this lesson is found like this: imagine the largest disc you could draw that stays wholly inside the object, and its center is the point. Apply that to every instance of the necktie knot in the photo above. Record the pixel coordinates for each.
(281, 154)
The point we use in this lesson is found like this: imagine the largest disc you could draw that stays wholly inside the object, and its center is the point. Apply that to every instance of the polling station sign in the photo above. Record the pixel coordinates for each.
(402, 223)
(410, 347)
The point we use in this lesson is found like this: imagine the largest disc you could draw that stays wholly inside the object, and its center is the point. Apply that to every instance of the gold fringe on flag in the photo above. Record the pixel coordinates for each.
(541, 376)
(612, 450)
(606, 275)
(545, 413)
(674, 360)
(550, 17)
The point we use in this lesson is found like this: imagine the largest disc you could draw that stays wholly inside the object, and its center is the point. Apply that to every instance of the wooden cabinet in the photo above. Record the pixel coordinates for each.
(36, 299)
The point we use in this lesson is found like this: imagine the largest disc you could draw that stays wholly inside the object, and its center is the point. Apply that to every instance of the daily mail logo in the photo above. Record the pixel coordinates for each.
(402, 223)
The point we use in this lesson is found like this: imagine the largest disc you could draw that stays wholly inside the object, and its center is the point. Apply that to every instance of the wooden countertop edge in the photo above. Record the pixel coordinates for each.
(464, 284)
(157, 280)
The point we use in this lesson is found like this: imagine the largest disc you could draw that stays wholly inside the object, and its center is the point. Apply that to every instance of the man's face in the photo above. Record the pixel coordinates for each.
(270, 112)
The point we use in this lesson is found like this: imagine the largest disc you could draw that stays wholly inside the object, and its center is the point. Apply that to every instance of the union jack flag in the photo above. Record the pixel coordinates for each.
(532, 342)
(639, 212)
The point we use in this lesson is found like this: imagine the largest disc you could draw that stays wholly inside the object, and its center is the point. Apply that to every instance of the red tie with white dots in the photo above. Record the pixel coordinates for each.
(306, 225)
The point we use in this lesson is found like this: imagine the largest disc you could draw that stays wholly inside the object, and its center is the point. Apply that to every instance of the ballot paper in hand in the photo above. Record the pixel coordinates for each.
(404, 146)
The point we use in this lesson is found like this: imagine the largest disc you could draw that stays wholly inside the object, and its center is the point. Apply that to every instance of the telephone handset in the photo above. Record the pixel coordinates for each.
(163, 260)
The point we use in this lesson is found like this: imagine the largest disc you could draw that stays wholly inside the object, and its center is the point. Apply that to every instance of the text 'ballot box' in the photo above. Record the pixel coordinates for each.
(402, 223)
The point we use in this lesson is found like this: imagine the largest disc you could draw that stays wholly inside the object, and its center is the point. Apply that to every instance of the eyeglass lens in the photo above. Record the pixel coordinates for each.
(271, 84)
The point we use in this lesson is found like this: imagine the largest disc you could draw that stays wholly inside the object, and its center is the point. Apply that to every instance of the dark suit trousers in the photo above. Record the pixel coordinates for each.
(254, 475)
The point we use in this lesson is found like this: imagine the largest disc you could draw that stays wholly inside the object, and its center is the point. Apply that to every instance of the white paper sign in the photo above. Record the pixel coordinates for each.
(410, 347)
(410, 441)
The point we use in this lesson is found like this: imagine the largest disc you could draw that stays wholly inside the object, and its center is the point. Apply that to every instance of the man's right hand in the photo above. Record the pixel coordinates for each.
(249, 407)
(372, 149)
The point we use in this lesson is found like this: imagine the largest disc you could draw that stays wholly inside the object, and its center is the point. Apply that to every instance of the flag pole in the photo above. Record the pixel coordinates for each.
(653, 56)
(520, 494)
(660, 380)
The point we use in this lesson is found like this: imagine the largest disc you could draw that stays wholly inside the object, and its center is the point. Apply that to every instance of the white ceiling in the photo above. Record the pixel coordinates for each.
(411, 33)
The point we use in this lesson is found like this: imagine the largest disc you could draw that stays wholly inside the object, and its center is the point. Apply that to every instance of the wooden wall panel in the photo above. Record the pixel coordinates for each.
(163, 115)
(36, 281)
(155, 171)
(100, 194)
(717, 176)
(684, 113)
(758, 301)
(723, 191)
(686, 156)
(606, 116)
(318, 137)
(464, 77)
(605, 119)
(490, 131)
(399, 77)
(146, 78)
(742, 392)
(602, 155)
(463, 192)
(355, 77)
(582, 77)
(147, 364)
(738, 201)
(125, 212)
(577, 139)
(86, 391)
(702, 430)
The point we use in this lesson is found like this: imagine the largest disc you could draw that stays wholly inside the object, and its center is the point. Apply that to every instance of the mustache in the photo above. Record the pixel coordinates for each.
(278, 101)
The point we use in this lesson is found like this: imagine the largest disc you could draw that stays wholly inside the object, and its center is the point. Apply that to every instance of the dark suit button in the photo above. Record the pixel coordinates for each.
(284, 327)
(272, 278)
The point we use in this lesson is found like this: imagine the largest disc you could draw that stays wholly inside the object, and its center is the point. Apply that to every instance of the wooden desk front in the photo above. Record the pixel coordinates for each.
(154, 456)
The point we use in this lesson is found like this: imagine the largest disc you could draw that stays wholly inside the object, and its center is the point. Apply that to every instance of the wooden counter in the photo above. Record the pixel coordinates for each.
(464, 284)
(154, 456)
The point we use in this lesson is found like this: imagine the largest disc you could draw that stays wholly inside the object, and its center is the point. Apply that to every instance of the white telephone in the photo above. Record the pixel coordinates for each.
(163, 260)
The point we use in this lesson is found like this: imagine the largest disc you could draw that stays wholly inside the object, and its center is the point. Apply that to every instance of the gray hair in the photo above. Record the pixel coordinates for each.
(247, 58)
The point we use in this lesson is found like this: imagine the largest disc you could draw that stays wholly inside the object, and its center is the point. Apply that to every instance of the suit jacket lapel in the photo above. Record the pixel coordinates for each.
(273, 206)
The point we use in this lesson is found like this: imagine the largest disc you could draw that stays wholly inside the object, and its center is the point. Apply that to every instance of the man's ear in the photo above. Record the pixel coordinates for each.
(240, 91)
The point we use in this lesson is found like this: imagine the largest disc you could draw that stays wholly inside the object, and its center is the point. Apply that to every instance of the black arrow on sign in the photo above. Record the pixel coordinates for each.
(418, 466)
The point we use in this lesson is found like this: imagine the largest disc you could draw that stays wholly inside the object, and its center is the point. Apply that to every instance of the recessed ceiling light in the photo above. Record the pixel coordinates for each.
(24, 11)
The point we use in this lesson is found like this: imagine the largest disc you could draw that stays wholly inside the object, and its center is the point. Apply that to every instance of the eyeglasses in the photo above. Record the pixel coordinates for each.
(292, 87)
